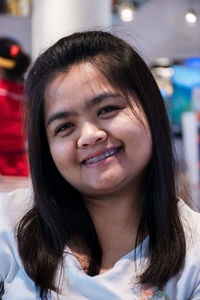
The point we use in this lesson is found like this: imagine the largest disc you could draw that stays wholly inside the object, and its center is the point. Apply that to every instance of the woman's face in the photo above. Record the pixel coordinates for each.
(98, 145)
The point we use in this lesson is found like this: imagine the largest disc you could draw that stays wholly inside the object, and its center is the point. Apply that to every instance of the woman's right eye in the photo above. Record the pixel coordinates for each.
(65, 128)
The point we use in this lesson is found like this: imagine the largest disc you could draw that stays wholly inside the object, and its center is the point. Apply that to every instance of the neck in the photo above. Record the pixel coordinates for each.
(116, 221)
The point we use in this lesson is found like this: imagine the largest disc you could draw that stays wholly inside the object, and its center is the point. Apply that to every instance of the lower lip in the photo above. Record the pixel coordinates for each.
(103, 161)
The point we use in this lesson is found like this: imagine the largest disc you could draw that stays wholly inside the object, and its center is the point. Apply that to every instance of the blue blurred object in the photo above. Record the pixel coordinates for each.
(163, 93)
(193, 62)
(184, 79)
(167, 101)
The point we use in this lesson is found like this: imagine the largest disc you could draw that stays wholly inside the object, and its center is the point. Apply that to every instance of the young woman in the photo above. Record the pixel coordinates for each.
(102, 220)
(13, 64)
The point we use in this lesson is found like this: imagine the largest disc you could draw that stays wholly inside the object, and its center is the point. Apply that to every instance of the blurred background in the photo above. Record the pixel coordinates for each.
(165, 33)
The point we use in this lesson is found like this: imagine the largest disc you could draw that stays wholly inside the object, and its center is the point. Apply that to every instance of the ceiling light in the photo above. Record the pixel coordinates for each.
(126, 12)
(191, 17)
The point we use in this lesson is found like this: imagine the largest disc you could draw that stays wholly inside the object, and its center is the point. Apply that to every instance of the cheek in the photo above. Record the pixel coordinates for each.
(139, 142)
(62, 154)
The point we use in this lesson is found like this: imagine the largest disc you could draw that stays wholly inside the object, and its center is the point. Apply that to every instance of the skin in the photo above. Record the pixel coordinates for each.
(84, 117)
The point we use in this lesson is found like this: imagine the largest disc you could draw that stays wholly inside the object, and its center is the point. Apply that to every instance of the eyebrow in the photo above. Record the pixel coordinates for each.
(94, 101)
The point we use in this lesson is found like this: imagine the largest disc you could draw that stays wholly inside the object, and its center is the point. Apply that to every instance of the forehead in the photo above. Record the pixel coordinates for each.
(79, 79)
(72, 91)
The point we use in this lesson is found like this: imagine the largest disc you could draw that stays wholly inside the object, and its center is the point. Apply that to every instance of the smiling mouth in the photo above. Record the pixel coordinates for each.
(102, 156)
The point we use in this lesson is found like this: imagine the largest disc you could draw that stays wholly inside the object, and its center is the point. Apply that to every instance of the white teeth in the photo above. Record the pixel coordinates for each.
(101, 157)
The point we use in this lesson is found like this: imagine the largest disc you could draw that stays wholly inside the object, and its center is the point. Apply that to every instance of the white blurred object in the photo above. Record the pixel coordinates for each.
(24, 6)
(196, 99)
(54, 19)
(126, 12)
(190, 145)
(191, 17)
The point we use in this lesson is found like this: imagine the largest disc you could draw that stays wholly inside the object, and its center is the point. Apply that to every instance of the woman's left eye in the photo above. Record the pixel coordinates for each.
(107, 110)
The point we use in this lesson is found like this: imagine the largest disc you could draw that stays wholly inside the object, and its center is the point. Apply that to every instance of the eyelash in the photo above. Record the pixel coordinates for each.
(107, 109)
(102, 111)
(63, 128)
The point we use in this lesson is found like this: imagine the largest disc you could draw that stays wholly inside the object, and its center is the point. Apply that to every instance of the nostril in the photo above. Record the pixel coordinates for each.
(91, 137)
(85, 145)
(99, 139)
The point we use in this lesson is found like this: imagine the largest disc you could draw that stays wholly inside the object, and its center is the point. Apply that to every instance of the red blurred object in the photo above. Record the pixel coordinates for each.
(14, 50)
(13, 156)
(114, 2)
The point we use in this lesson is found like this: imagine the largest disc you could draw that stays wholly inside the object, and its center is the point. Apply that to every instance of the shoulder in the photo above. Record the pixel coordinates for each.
(188, 279)
(190, 220)
(191, 225)
(14, 205)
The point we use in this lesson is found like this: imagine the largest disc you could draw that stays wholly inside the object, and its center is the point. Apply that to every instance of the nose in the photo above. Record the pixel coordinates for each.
(91, 135)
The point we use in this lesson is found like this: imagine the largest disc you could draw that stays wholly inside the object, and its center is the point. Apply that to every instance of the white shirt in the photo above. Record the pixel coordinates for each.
(115, 284)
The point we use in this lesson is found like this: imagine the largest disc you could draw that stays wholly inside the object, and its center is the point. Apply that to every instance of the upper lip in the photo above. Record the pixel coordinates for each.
(97, 153)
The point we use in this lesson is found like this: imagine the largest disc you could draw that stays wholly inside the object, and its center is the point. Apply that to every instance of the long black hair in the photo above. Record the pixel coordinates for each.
(59, 213)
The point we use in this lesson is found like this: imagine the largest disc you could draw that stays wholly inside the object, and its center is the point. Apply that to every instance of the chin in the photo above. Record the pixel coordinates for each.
(106, 187)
